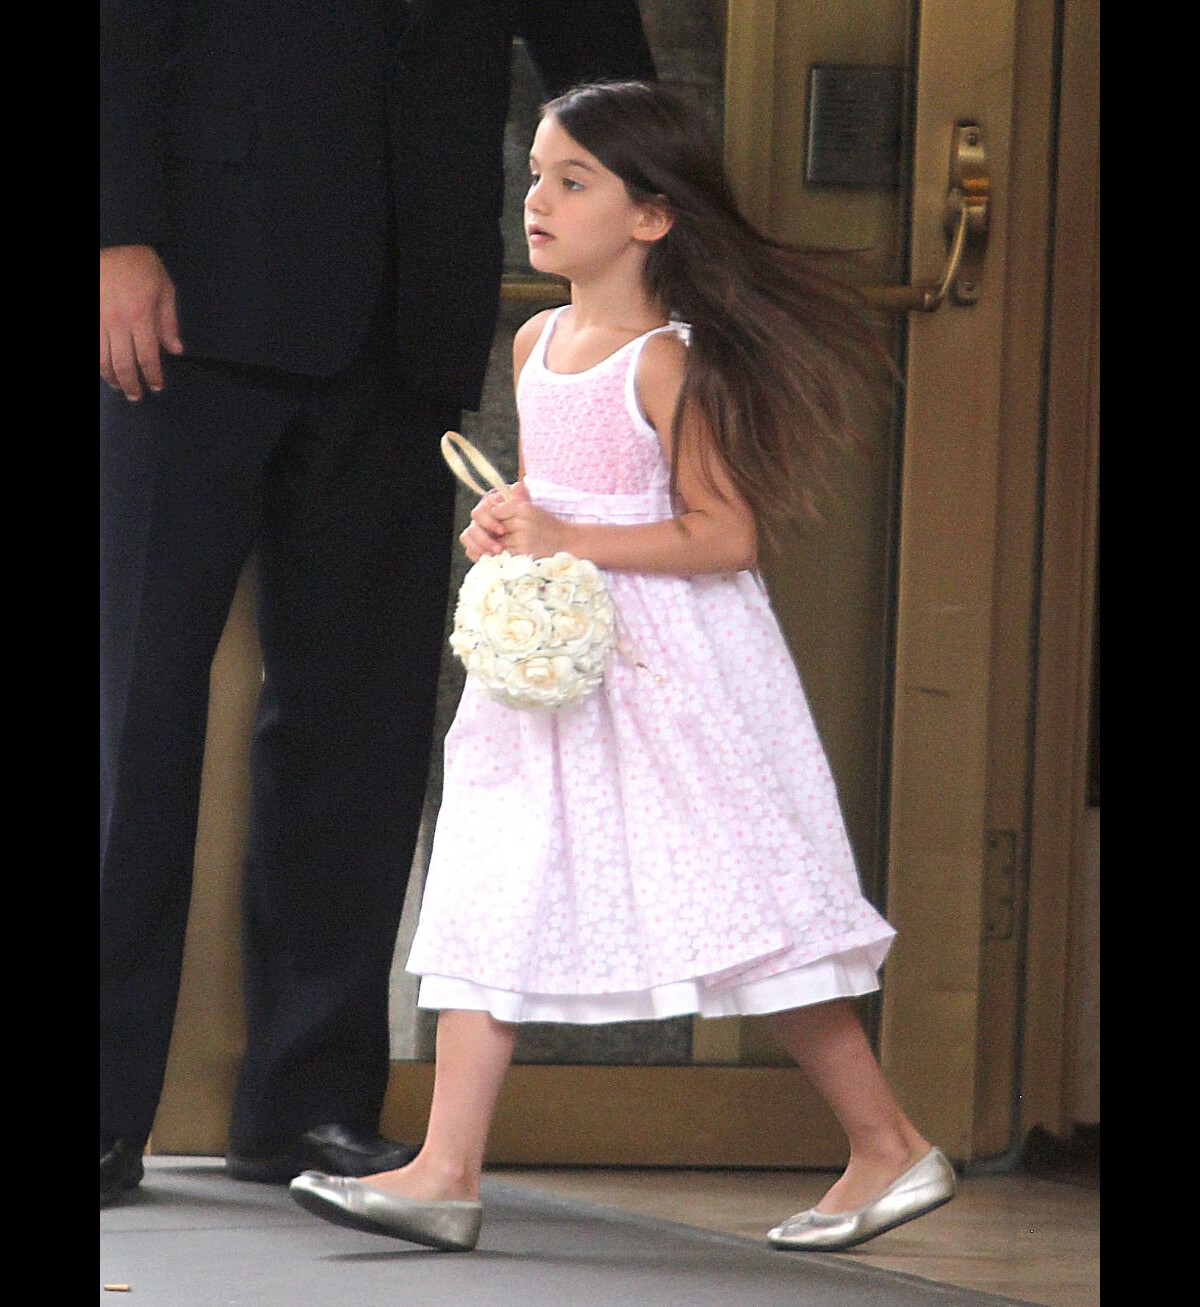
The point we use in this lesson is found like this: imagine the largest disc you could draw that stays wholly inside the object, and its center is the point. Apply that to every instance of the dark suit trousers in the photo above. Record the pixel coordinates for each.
(339, 484)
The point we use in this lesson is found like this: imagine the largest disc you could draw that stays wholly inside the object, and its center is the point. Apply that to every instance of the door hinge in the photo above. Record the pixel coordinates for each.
(999, 884)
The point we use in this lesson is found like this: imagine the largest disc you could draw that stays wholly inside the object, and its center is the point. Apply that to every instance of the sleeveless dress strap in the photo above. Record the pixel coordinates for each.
(681, 329)
(632, 404)
(537, 355)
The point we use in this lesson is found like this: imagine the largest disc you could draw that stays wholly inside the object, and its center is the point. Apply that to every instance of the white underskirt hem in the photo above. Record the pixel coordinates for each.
(845, 975)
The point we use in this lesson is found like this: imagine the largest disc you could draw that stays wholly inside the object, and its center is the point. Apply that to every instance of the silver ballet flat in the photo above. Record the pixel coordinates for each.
(450, 1226)
(925, 1185)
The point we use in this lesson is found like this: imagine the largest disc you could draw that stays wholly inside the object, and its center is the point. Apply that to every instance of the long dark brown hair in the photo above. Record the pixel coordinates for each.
(785, 360)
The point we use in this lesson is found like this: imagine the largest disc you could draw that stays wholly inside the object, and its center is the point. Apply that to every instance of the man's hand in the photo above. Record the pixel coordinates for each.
(137, 316)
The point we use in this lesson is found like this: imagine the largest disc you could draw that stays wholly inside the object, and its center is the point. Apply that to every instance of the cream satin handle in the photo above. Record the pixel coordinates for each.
(452, 443)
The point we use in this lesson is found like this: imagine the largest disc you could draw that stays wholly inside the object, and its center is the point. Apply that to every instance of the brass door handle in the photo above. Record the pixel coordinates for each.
(534, 289)
(966, 231)
(966, 225)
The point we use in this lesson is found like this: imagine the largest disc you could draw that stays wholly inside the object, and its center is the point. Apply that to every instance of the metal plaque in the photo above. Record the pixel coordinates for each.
(854, 126)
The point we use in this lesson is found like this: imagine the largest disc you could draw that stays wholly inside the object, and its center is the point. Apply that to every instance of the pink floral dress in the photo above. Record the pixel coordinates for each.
(671, 844)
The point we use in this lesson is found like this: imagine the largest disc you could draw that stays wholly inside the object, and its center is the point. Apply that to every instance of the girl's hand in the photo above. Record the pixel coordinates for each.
(483, 536)
(527, 529)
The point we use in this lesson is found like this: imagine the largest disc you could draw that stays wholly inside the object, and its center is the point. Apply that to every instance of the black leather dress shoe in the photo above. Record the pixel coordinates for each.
(120, 1170)
(334, 1149)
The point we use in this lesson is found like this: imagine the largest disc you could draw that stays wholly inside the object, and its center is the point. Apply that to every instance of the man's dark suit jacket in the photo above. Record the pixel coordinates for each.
(257, 145)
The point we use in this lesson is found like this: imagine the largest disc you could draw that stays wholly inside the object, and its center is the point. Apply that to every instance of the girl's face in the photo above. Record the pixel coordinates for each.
(579, 218)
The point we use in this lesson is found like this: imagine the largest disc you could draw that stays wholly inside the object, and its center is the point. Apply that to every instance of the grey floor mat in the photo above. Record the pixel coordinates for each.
(191, 1237)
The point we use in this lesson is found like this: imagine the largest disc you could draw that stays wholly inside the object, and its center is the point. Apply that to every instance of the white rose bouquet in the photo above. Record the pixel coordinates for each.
(534, 632)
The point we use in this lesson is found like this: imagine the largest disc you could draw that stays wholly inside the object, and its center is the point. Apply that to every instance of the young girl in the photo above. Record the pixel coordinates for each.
(672, 844)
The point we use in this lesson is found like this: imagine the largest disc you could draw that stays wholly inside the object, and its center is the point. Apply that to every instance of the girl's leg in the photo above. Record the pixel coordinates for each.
(828, 1042)
(473, 1055)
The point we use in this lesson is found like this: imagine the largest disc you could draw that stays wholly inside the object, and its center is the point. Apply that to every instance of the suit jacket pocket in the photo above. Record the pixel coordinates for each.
(207, 132)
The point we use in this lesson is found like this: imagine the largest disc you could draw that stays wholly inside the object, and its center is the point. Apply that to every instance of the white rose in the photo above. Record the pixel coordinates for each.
(524, 590)
(512, 566)
(560, 594)
(493, 599)
(481, 662)
(540, 681)
(515, 630)
(478, 578)
(573, 627)
(463, 640)
(561, 566)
